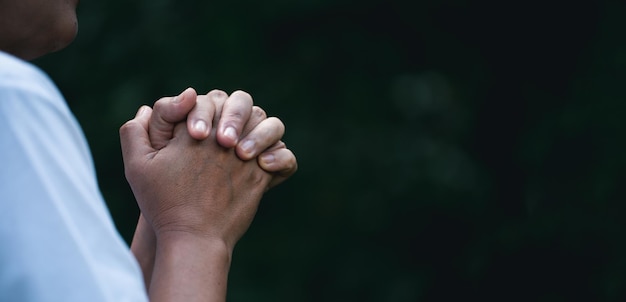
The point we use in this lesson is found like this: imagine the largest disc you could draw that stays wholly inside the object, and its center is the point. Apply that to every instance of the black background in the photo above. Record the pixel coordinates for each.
(447, 149)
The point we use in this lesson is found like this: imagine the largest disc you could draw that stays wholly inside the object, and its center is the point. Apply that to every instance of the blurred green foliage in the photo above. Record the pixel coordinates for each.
(447, 149)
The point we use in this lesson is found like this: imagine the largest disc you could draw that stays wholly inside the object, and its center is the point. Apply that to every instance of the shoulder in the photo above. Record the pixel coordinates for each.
(35, 117)
(54, 226)
(19, 78)
(14, 70)
(25, 88)
(11, 63)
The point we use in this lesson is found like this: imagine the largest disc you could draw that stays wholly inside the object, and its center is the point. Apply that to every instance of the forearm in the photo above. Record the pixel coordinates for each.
(144, 248)
(189, 268)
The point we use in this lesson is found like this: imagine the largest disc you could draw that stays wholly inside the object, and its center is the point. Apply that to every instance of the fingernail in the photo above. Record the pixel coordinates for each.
(247, 146)
(267, 158)
(231, 133)
(200, 126)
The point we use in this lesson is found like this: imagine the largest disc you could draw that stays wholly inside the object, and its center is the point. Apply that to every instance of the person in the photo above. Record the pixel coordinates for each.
(197, 165)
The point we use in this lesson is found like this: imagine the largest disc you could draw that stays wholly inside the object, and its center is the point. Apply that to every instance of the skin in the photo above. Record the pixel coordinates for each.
(32, 28)
(256, 135)
(190, 163)
(190, 195)
(265, 132)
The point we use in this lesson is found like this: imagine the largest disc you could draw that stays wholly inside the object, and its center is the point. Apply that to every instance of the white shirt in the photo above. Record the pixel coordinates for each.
(57, 239)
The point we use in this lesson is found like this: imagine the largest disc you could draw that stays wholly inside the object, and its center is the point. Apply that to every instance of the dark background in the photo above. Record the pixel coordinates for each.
(447, 149)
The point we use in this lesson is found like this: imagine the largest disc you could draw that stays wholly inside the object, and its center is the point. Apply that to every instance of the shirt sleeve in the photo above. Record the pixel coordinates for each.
(58, 241)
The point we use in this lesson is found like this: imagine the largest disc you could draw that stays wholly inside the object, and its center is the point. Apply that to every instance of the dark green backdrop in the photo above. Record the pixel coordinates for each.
(448, 149)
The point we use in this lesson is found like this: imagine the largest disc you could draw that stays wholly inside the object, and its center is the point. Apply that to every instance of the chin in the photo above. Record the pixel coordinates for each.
(64, 38)
(52, 39)
(67, 38)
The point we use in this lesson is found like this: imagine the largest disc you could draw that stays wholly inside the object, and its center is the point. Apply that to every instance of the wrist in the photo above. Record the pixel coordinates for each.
(186, 241)
(143, 247)
(194, 232)
(190, 267)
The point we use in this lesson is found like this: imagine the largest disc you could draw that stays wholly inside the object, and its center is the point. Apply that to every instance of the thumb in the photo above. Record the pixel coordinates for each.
(167, 113)
(134, 136)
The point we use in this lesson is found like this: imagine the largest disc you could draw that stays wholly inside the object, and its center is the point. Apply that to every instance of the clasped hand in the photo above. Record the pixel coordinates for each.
(190, 164)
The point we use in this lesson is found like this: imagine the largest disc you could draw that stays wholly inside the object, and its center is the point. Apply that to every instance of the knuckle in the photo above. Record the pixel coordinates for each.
(203, 103)
(258, 177)
(293, 167)
(280, 145)
(125, 128)
(161, 102)
(277, 123)
(216, 93)
(242, 95)
(258, 113)
(289, 160)
(293, 162)
(234, 115)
